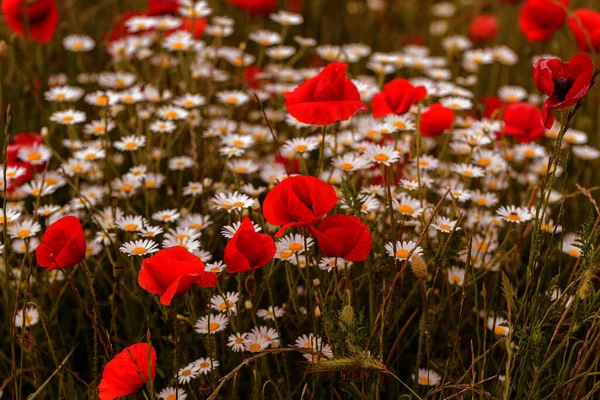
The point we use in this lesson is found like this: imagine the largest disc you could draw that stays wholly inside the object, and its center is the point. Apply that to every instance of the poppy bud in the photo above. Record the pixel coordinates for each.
(418, 266)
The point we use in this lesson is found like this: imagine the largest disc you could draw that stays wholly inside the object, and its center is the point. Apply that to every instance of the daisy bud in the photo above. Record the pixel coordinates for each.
(275, 344)
(248, 304)
(170, 191)
(44, 131)
(255, 205)
(207, 182)
(2, 48)
(316, 282)
(418, 266)
(184, 212)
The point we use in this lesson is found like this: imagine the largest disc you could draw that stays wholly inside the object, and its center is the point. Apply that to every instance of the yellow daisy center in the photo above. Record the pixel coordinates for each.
(381, 157)
(402, 253)
(138, 250)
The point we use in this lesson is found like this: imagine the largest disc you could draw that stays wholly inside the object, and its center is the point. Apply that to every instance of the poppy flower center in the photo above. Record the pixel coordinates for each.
(562, 86)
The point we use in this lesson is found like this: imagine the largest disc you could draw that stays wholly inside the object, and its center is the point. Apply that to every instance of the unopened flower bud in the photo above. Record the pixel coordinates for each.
(418, 266)
(347, 314)
(248, 304)
(44, 132)
(316, 282)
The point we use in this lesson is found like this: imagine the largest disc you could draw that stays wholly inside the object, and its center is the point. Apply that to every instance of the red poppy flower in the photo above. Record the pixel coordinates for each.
(63, 244)
(172, 271)
(256, 7)
(326, 98)
(298, 201)
(396, 98)
(128, 371)
(343, 236)
(162, 7)
(436, 120)
(590, 27)
(491, 106)
(42, 16)
(524, 122)
(565, 83)
(120, 30)
(539, 19)
(252, 76)
(483, 28)
(21, 140)
(292, 166)
(195, 26)
(248, 250)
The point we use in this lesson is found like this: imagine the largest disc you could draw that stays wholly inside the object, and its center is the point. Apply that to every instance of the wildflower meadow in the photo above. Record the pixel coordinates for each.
(300, 199)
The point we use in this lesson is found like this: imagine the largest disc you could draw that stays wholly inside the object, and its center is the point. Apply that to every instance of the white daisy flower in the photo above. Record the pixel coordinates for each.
(402, 249)
(68, 117)
(140, 247)
(211, 323)
(514, 214)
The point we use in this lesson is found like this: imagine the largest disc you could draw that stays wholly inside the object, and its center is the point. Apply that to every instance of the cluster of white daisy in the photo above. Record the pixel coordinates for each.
(171, 148)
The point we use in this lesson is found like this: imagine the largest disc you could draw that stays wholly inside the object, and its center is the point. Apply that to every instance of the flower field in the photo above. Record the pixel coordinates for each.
(300, 199)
